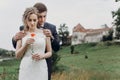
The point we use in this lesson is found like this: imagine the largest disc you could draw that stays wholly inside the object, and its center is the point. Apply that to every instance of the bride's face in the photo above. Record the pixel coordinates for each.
(32, 21)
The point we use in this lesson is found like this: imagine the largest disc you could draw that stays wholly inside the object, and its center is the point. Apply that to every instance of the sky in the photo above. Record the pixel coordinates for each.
(89, 13)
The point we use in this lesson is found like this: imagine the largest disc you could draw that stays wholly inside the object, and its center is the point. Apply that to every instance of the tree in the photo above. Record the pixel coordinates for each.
(108, 37)
(117, 0)
(116, 16)
(63, 33)
(117, 32)
(6, 53)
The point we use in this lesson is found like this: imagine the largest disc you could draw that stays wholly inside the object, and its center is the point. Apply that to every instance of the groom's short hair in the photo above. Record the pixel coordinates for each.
(41, 7)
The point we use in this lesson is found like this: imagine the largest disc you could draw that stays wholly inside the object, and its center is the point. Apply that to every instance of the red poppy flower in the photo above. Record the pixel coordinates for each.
(32, 34)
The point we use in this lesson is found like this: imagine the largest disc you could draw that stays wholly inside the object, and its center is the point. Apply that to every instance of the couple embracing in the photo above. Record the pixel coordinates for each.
(34, 44)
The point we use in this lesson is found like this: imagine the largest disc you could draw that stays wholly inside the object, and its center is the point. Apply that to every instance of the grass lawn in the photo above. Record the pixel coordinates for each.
(102, 63)
(9, 69)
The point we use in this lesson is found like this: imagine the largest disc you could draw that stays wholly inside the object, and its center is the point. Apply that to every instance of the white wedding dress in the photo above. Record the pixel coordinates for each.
(29, 68)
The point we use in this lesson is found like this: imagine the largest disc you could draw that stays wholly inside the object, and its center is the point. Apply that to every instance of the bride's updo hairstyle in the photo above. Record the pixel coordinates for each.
(26, 15)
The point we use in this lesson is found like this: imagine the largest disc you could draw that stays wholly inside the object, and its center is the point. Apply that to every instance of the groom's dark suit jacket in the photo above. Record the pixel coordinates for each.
(55, 44)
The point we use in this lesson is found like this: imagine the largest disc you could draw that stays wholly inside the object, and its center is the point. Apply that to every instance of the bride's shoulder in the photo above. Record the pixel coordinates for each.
(40, 32)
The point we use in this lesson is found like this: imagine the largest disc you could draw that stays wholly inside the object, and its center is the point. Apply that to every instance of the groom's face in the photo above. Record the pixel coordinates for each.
(42, 17)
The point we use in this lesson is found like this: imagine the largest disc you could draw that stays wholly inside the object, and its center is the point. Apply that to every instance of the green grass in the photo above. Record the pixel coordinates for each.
(9, 69)
(103, 63)
(101, 59)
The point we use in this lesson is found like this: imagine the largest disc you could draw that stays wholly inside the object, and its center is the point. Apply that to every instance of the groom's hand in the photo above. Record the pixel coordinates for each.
(48, 33)
(19, 35)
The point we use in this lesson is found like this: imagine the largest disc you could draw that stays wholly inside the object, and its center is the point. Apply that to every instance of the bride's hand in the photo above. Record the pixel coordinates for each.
(29, 41)
(37, 56)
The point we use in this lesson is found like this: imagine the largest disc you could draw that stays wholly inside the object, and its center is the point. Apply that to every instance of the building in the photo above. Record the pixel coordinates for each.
(82, 35)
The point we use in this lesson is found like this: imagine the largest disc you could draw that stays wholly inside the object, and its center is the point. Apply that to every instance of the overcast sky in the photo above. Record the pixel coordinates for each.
(89, 13)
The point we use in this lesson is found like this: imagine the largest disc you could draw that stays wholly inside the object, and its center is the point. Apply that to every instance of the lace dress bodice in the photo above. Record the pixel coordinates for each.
(38, 46)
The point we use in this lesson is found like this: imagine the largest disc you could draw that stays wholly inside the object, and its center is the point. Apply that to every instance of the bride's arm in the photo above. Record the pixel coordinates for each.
(20, 49)
(48, 48)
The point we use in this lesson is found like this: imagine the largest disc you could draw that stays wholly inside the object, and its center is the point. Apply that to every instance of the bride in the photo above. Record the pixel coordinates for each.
(31, 49)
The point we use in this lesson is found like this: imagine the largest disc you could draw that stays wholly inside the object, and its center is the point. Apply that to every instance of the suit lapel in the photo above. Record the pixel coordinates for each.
(45, 26)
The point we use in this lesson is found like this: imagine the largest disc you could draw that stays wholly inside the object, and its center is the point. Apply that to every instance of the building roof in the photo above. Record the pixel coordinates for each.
(80, 28)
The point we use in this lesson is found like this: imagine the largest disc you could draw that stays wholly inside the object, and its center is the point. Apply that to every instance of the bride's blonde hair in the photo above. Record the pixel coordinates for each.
(26, 15)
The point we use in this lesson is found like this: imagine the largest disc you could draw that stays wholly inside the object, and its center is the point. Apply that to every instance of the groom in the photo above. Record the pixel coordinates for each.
(49, 30)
